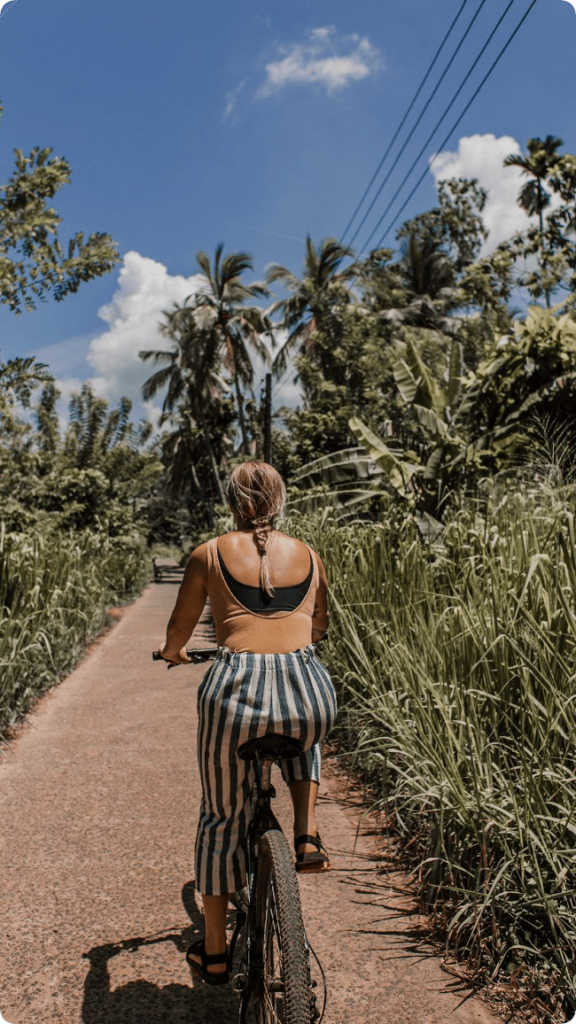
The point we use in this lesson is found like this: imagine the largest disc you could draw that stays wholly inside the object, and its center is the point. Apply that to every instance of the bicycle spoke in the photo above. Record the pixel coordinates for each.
(273, 984)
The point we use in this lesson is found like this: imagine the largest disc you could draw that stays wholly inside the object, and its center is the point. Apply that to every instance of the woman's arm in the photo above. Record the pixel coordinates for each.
(321, 613)
(188, 608)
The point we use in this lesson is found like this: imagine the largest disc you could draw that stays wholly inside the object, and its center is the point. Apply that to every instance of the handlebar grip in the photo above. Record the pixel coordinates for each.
(196, 655)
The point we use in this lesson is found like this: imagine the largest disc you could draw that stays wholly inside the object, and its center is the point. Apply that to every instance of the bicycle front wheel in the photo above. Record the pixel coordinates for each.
(283, 994)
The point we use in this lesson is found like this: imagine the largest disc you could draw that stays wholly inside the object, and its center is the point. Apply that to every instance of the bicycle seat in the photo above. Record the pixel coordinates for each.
(272, 747)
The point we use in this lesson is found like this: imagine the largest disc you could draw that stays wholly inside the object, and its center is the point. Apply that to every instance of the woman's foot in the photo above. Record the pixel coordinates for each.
(211, 967)
(310, 854)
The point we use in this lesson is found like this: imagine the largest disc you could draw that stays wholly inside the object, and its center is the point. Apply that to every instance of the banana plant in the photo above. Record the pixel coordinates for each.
(439, 411)
(344, 480)
(475, 421)
(533, 370)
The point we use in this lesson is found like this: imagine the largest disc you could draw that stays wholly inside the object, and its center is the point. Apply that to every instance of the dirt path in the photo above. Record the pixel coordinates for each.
(98, 803)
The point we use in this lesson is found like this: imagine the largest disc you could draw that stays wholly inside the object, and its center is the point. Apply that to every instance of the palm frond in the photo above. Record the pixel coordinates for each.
(156, 382)
(276, 272)
(160, 355)
(293, 343)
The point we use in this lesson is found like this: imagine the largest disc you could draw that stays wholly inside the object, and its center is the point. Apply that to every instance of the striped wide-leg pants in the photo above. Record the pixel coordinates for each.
(243, 696)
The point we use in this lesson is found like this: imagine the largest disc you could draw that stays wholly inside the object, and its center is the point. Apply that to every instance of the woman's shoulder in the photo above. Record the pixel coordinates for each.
(293, 542)
(293, 547)
(200, 555)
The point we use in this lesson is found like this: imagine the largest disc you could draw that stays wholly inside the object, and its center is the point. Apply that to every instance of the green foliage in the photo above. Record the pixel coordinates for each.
(53, 592)
(222, 312)
(425, 478)
(455, 668)
(346, 371)
(32, 262)
(212, 335)
(455, 226)
(545, 166)
(467, 423)
(403, 343)
(98, 476)
(530, 371)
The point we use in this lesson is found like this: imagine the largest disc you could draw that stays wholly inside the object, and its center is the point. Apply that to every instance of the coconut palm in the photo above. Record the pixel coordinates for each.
(426, 269)
(314, 295)
(222, 314)
(537, 166)
(191, 365)
(190, 374)
(425, 285)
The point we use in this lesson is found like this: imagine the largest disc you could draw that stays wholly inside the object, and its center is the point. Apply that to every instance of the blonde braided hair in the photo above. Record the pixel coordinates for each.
(257, 494)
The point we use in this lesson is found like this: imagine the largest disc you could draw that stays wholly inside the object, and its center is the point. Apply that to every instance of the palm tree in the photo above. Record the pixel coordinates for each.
(563, 181)
(312, 296)
(193, 384)
(427, 278)
(541, 161)
(425, 268)
(234, 327)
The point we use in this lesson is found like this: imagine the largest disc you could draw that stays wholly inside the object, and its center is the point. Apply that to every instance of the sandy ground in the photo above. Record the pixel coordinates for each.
(99, 799)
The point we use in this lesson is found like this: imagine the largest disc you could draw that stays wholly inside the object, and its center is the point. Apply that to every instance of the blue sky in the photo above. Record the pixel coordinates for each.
(250, 123)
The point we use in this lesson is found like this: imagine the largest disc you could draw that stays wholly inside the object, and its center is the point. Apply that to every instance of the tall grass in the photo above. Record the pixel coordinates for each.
(53, 592)
(456, 667)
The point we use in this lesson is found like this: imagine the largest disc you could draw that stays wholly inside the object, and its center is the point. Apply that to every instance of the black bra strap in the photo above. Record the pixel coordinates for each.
(285, 599)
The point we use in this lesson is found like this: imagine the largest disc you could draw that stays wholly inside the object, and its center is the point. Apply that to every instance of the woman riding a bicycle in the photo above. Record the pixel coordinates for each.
(268, 595)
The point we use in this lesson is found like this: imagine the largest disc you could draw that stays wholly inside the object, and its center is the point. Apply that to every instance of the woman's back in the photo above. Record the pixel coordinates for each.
(288, 558)
(246, 623)
(268, 591)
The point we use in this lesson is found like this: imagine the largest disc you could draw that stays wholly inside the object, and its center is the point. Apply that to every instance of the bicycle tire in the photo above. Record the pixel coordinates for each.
(283, 993)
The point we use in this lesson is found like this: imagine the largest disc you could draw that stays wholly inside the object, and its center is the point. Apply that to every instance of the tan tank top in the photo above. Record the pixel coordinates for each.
(242, 630)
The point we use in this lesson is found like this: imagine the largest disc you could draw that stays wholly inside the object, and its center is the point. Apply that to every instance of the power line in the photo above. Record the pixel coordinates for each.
(421, 115)
(439, 122)
(454, 126)
(282, 381)
(402, 123)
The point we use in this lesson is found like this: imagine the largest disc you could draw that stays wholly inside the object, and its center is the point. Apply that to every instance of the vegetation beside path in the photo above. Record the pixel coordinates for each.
(53, 596)
(455, 669)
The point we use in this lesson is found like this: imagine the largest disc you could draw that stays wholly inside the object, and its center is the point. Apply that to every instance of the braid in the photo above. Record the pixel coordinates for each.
(262, 528)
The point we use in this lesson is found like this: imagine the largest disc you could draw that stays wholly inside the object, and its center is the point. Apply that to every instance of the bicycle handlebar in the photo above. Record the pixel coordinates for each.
(196, 654)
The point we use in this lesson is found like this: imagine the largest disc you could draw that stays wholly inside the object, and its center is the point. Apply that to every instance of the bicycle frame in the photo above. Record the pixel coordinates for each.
(262, 820)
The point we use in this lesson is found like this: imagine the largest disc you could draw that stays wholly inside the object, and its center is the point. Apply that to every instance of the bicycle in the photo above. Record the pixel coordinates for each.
(275, 968)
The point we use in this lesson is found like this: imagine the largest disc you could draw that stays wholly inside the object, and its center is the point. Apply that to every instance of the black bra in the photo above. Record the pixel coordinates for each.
(284, 599)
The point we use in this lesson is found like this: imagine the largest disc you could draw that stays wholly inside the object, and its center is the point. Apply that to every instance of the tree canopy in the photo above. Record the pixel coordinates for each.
(412, 360)
(33, 263)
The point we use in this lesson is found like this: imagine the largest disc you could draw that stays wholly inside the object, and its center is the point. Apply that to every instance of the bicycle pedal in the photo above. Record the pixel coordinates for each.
(276, 986)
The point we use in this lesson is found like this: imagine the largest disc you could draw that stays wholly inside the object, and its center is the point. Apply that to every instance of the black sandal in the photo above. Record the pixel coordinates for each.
(198, 949)
(309, 862)
(227, 957)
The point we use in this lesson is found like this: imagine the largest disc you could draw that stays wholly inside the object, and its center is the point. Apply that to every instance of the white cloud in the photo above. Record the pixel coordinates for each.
(324, 59)
(145, 289)
(482, 157)
(231, 98)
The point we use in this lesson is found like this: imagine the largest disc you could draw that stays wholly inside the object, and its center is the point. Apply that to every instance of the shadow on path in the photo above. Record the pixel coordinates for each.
(141, 1002)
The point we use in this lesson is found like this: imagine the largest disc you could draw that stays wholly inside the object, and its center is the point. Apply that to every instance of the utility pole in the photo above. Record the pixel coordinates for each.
(268, 419)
